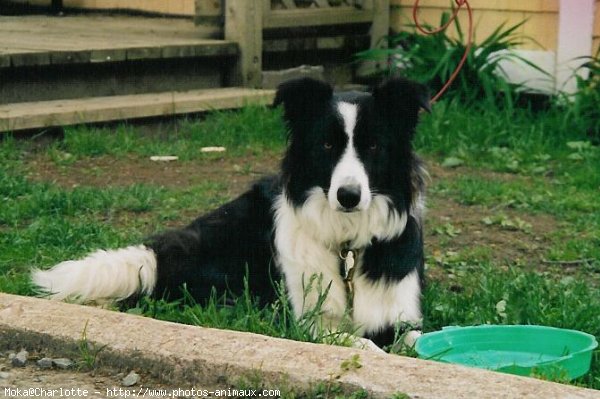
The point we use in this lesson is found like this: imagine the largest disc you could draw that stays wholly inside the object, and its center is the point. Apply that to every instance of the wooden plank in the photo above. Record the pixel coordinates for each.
(353, 42)
(108, 55)
(4, 60)
(221, 99)
(14, 117)
(66, 49)
(70, 57)
(179, 51)
(289, 4)
(93, 24)
(381, 21)
(29, 58)
(142, 53)
(94, 32)
(208, 8)
(68, 40)
(243, 25)
(170, 7)
(205, 51)
(317, 17)
(322, 3)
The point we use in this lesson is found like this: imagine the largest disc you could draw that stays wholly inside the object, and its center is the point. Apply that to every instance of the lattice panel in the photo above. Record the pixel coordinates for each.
(294, 4)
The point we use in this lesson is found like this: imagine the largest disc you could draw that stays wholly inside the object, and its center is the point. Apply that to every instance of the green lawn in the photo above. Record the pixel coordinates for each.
(513, 232)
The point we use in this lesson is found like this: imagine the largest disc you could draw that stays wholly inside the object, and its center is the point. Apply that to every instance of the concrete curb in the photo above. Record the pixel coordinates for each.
(187, 356)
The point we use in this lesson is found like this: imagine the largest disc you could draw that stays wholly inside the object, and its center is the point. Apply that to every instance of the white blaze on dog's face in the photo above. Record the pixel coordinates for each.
(349, 187)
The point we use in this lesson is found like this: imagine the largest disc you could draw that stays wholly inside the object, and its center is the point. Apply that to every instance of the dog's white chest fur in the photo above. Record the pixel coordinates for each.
(307, 243)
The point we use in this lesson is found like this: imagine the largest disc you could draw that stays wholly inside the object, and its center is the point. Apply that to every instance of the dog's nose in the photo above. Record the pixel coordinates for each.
(348, 196)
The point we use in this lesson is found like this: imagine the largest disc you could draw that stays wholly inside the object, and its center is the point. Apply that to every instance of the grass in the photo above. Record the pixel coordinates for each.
(253, 129)
(516, 165)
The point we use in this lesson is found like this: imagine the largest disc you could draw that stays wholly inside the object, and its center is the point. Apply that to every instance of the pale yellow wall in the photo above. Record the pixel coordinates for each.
(542, 15)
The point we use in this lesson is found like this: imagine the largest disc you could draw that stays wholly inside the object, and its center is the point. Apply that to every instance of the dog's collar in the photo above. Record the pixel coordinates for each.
(348, 256)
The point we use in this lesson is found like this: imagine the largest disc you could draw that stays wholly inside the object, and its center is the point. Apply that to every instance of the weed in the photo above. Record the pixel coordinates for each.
(583, 111)
(447, 229)
(88, 351)
(507, 223)
(351, 364)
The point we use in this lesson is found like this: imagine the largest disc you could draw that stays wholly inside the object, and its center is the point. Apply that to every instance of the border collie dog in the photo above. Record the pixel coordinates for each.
(350, 187)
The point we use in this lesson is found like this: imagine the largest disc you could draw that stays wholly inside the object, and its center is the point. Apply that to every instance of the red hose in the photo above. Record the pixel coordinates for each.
(459, 4)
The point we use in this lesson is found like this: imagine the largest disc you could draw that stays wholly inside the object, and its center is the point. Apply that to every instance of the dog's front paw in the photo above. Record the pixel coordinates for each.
(347, 339)
(366, 344)
(410, 338)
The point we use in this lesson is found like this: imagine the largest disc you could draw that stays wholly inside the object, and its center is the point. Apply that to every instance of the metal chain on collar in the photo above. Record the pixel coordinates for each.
(349, 258)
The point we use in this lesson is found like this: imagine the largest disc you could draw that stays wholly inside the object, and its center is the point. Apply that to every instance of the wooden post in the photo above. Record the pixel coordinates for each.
(243, 25)
(57, 5)
(381, 21)
(209, 13)
(380, 28)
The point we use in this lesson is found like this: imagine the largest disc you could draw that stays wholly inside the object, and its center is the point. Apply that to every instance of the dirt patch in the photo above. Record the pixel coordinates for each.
(438, 172)
(109, 171)
(70, 383)
(506, 236)
(450, 226)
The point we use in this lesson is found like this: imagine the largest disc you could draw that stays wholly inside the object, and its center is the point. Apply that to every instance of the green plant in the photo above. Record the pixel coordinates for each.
(583, 109)
(431, 59)
(88, 351)
(351, 364)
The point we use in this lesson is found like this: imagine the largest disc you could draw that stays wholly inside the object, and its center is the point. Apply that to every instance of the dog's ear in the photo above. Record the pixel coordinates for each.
(401, 97)
(302, 98)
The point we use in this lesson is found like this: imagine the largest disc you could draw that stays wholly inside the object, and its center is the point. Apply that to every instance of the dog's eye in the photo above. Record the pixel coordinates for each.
(373, 146)
(327, 145)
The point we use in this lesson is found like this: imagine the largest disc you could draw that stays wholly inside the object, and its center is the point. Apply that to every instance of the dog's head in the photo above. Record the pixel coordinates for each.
(351, 145)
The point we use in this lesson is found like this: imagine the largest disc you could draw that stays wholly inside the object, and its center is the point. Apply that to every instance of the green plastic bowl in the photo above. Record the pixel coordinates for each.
(548, 352)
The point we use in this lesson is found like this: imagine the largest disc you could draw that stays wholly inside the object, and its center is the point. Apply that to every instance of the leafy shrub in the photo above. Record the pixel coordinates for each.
(583, 112)
(431, 59)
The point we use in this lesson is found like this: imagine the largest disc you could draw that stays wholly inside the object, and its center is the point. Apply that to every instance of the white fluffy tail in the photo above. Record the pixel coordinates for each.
(102, 276)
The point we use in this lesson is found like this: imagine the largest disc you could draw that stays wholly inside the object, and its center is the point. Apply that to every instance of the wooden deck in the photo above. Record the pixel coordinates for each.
(32, 115)
(88, 68)
(47, 40)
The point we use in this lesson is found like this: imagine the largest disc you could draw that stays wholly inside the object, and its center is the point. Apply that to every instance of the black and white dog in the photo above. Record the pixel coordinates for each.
(350, 186)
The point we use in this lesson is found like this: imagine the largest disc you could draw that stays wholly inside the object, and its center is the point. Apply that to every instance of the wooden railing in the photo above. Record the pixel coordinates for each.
(245, 21)
(290, 13)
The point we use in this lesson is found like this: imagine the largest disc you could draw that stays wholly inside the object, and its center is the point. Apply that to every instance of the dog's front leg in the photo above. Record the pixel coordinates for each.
(319, 299)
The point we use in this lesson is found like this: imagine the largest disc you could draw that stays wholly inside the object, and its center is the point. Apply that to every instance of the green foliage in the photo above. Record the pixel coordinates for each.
(252, 128)
(514, 164)
(583, 109)
(244, 314)
(431, 59)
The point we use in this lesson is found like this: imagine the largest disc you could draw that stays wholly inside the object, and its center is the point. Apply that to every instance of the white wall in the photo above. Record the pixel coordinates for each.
(575, 36)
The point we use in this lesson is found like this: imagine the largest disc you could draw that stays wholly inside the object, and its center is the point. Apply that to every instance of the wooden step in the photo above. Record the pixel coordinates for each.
(41, 40)
(43, 114)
